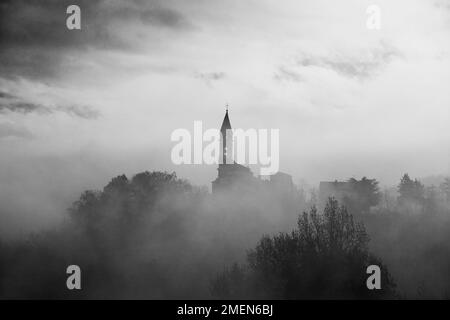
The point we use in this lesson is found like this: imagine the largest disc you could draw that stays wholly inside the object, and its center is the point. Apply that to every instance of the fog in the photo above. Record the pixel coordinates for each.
(155, 236)
(80, 107)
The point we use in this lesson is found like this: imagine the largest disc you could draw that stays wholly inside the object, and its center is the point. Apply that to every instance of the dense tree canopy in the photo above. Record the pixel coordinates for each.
(410, 190)
(365, 194)
(325, 257)
(156, 236)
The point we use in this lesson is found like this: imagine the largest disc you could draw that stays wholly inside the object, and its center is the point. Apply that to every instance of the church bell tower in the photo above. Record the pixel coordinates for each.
(226, 140)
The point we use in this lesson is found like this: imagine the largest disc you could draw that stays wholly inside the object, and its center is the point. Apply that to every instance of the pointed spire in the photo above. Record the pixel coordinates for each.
(226, 122)
(226, 139)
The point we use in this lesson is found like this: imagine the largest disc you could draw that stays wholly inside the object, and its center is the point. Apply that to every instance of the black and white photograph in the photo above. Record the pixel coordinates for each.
(224, 150)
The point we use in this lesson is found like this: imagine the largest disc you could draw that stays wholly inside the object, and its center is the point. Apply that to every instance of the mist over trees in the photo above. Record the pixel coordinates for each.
(410, 231)
(412, 192)
(445, 188)
(364, 195)
(325, 257)
(157, 236)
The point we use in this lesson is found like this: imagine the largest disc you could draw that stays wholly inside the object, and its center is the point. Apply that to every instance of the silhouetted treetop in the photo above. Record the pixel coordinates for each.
(365, 194)
(410, 190)
(325, 257)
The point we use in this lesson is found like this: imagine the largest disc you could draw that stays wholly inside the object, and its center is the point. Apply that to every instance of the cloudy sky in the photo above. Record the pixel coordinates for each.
(78, 107)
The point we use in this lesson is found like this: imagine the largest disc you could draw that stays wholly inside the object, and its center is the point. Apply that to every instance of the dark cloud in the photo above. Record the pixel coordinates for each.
(23, 107)
(12, 103)
(43, 23)
(34, 39)
(164, 17)
(363, 66)
(6, 95)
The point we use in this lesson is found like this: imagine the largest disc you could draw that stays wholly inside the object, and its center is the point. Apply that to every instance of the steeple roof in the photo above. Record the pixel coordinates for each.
(225, 123)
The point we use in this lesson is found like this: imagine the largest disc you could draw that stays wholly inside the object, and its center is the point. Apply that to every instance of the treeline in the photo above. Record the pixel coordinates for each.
(409, 227)
(325, 257)
(152, 236)
(410, 230)
(156, 236)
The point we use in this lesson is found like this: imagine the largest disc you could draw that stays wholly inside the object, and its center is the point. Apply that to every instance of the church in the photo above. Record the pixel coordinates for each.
(235, 177)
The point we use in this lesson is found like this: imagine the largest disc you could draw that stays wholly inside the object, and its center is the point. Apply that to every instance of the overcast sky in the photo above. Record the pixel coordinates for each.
(79, 107)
